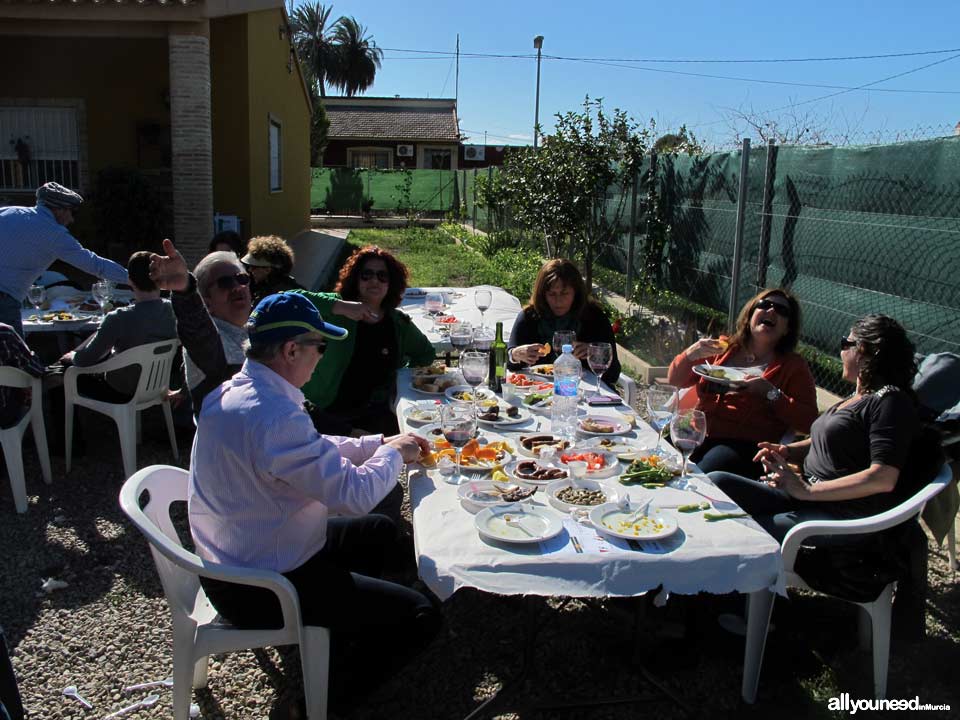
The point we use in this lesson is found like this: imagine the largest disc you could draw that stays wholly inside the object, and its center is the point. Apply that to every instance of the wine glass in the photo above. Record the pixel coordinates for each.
(474, 366)
(458, 424)
(483, 298)
(433, 303)
(561, 338)
(687, 431)
(102, 292)
(599, 357)
(482, 338)
(662, 403)
(37, 294)
(461, 335)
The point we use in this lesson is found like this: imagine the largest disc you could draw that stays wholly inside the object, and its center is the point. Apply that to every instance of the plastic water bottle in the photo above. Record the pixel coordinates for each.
(566, 384)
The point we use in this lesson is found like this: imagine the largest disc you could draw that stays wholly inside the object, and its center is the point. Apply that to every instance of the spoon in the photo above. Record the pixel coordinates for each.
(71, 692)
(512, 521)
(146, 702)
(166, 682)
(642, 512)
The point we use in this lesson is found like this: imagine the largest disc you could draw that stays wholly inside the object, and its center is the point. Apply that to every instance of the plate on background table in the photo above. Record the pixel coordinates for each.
(602, 426)
(723, 375)
(503, 418)
(536, 524)
(544, 371)
(435, 385)
(656, 525)
(625, 449)
(414, 292)
(465, 394)
(423, 411)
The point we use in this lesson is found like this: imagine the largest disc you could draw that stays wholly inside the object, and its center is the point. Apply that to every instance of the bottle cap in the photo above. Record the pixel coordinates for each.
(567, 348)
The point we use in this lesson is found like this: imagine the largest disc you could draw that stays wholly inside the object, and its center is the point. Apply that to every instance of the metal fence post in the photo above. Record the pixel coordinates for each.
(631, 242)
(489, 184)
(738, 237)
(474, 199)
(766, 217)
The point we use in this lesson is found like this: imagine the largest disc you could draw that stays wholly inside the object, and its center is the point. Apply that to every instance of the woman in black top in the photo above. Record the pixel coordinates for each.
(560, 301)
(856, 450)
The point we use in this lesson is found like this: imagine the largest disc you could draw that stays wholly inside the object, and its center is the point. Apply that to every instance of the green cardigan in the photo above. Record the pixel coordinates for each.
(413, 348)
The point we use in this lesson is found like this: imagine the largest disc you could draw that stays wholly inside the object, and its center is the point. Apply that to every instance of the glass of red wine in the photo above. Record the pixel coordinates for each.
(458, 424)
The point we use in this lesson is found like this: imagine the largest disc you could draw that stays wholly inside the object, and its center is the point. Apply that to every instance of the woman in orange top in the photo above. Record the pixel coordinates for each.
(780, 395)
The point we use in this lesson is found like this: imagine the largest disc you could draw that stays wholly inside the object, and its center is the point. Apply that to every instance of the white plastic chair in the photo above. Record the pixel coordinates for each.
(196, 634)
(154, 360)
(877, 612)
(12, 438)
(627, 389)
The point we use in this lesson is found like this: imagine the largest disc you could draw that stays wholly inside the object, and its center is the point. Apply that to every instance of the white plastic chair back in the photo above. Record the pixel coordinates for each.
(11, 438)
(195, 634)
(155, 361)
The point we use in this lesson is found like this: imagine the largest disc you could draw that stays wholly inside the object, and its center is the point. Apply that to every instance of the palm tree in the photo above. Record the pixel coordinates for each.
(358, 57)
(312, 39)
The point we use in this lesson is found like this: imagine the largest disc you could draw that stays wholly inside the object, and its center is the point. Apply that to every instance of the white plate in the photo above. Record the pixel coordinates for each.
(432, 433)
(540, 371)
(733, 377)
(541, 523)
(524, 451)
(624, 448)
(511, 470)
(506, 420)
(476, 495)
(558, 485)
(482, 394)
(619, 427)
(423, 411)
(414, 292)
(611, 465)
(453, 378)
(605, 518)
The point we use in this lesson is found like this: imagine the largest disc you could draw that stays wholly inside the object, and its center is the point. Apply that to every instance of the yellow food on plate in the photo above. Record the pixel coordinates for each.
(500, 476)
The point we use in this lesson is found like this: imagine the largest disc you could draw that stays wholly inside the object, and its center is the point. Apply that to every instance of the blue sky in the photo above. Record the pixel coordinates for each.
(497, 95)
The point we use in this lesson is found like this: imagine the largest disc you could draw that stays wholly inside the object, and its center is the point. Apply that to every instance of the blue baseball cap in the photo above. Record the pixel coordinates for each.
(281, 317)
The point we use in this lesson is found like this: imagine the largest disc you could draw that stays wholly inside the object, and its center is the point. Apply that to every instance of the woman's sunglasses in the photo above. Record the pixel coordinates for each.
(381, 275)
(229, 282)
(846, 343)
(781, 310)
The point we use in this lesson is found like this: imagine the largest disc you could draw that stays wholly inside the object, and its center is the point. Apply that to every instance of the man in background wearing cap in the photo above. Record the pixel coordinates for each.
(31, 238)
(263, 484)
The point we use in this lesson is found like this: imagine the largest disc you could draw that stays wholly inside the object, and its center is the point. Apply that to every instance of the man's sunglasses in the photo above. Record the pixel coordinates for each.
(846, 343)
(229, 282)
(320, 345)
(781, 310)
(381, 275)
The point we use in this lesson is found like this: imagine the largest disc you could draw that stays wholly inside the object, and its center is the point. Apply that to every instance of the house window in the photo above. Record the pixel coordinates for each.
(38, 145)
(437, 158)
(276, 156)
(370, 158)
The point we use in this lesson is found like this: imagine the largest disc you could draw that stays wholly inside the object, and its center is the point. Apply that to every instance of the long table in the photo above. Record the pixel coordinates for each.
(734, 555)
(460, 303)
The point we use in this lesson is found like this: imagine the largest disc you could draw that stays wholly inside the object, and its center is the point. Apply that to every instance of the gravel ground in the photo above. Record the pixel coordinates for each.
(110, 627)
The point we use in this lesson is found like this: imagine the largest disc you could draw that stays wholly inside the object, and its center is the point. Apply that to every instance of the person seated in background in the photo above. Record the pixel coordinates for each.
(857, 450)
(227, 241)
(269, 260)
(264, 484)
(15, 353)
(150, 319)
(780, 396)
(560, 301)
(212, 305)
(354, 385)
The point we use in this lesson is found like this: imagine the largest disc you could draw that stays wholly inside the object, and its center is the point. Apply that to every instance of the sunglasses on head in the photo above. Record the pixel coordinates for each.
(779, 309)
(229, 282)
(846, 343)
(381, 275)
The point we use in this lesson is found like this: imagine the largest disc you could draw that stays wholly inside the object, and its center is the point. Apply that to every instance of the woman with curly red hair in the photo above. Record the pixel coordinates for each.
(354, 384)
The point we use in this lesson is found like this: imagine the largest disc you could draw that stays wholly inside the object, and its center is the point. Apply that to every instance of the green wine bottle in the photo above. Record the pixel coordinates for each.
(498, 361)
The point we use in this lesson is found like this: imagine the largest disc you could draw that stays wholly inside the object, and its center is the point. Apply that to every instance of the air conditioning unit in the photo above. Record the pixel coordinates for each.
(474, 152)
(405, 150)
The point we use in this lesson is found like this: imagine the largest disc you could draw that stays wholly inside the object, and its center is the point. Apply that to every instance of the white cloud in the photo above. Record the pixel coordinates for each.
(519, 136)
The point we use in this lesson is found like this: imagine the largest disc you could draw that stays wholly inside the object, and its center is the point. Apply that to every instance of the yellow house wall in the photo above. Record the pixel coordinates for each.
(229, 98)
(278, 93)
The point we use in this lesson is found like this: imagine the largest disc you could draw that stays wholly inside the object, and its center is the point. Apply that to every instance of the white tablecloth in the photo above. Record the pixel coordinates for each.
(460, 303)
(66, 299)
(733, 555)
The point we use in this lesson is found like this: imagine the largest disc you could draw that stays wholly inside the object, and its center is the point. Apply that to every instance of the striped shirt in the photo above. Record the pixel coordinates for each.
(31, 239)
(263, 481)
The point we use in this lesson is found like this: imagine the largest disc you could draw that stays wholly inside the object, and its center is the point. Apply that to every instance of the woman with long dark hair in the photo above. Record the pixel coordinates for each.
(857, 450)
(781, 394)
(559, 301)
(354, 384)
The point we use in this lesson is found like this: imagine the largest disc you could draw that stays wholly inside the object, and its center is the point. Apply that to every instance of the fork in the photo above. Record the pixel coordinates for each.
(512, 521)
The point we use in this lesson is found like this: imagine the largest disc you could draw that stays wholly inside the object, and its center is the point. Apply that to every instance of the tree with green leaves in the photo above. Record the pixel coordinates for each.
(313, 40)
(358, 57)
(575, 187)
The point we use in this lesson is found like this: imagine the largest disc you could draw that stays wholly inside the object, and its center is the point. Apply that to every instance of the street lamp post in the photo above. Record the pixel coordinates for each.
(538, 44)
